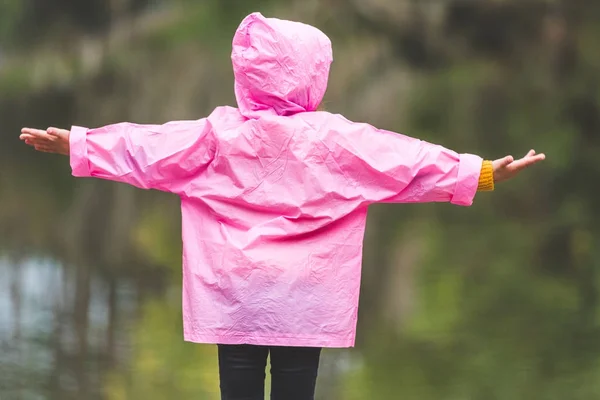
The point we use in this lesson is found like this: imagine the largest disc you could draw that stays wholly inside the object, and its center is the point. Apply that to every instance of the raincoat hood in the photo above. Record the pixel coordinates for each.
(280, 67)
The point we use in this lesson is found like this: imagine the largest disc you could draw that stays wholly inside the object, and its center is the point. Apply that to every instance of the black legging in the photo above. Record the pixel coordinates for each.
(293, 372)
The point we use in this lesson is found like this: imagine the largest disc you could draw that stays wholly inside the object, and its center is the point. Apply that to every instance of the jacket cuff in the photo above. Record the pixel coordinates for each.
(78, 152)
(486, 178)
(469, 170)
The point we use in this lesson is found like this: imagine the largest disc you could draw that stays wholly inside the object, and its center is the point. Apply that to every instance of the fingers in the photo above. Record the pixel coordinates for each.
(41, 140)
(53, 131)
(26, 137)
(31, 141)
(48, 134)
(503, 162)
(59, 133)
(33, 133)
(51, 140)
(35, 141)
(530, 153)
(527, 162)
(43, 148)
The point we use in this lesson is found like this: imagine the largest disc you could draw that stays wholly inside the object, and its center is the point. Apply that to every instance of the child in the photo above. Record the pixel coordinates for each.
(274, 199)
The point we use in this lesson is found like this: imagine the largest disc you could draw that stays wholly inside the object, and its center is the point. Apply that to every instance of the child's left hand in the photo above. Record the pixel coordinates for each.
(507, 167)
(52, 140)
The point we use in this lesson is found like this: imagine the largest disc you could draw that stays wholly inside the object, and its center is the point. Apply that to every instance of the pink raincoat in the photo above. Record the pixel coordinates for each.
(274, 194)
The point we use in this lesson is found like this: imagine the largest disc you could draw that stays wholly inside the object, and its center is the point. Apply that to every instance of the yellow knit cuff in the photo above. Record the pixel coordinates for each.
(486, 177)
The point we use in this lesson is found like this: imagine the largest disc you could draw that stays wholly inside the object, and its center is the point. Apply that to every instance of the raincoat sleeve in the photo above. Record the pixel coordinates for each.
(388, 167)
(162, 157)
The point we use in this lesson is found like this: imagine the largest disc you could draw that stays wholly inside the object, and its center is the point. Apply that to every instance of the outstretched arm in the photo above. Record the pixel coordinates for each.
(383, 166)
(162, 157)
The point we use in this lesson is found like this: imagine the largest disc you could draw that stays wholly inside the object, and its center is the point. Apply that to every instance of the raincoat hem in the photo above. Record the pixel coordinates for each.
(294, 341)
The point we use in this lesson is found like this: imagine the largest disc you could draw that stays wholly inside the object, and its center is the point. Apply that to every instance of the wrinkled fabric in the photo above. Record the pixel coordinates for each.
(274, 195)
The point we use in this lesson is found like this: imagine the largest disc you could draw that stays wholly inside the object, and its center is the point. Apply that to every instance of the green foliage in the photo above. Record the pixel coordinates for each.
(154, 237)
(10, 16)
(162, 365)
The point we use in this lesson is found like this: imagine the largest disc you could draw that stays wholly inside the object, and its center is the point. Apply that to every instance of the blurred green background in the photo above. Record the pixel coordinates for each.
(497, 301)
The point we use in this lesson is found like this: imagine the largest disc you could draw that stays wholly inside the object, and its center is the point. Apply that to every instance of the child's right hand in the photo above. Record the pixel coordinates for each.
(506, 168)
(52, 140)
